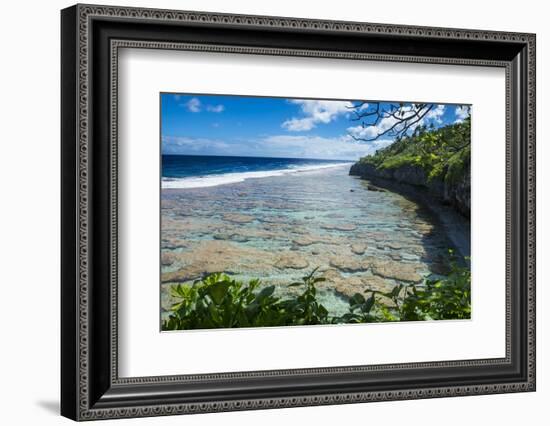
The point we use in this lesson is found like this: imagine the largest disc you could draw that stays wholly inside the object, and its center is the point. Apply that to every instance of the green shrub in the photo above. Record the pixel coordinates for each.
(219, 301)
(445, 298)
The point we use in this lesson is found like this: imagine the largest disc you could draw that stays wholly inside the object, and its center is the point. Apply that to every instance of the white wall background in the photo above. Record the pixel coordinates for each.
(29, 212)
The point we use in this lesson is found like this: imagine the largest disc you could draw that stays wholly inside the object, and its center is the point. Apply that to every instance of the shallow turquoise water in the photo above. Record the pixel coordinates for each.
(280, 228)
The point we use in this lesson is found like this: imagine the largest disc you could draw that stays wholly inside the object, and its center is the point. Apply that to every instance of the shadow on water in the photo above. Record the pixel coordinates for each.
(449, 229)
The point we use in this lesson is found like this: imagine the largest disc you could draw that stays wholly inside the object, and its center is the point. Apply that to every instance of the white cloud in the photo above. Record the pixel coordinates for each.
(215, 108)
(315, 112)
(298, 124)
(193, 105)
(462, 112)
(370, 132)
(295, 146)
(337, 148)
(436, 114)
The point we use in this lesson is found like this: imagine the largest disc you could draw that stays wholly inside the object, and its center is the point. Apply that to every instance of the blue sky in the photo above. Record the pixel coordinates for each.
(274, 127)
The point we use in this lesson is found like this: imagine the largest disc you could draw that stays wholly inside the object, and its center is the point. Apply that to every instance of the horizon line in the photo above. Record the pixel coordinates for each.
(257, 156)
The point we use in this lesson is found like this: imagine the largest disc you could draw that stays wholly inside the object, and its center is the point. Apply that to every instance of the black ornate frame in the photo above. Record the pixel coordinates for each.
(91, 37)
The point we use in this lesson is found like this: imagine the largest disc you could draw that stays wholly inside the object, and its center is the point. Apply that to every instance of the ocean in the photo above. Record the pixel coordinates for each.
(199, 171)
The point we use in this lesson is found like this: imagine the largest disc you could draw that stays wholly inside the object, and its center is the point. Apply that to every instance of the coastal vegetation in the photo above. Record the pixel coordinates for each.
(441, 153)
(219, 301)
(437, 159)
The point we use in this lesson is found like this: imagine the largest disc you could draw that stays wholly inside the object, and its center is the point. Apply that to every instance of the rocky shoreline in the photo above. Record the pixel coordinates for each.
(412, 180)
(450, 202)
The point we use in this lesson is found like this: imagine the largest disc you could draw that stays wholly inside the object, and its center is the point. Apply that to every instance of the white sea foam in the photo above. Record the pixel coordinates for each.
(227, 178)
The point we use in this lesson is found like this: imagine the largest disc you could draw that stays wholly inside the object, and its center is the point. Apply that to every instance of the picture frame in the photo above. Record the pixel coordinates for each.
(91, 388)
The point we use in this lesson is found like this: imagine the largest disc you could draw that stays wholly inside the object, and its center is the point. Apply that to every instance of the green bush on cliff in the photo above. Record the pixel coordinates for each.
(219, 301)
(442, 153)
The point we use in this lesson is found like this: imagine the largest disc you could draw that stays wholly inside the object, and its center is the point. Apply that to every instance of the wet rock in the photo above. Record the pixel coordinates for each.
(238, 218)
(358, 248)
(291, 261)
(239, 238)
(167, 258)
(275, 219)
(378, 236)
(347, 263)
(221, 236)
(340, 227)
(394, 245)
(210, 256)
(348, 286)
(306, 240)
(397, 271)
(331, 275)
(376, 283)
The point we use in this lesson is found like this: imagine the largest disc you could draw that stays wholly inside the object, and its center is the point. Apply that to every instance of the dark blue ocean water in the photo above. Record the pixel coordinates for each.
(182, 166)
(194, 171)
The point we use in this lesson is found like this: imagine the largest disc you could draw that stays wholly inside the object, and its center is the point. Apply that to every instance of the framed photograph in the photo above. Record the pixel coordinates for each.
(263, 212)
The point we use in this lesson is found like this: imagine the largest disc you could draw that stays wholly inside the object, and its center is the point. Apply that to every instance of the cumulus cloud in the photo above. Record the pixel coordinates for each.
(370, 132)
(436, 114)
(315, 112)
(461, 113)
(341, 147)
(193, 105)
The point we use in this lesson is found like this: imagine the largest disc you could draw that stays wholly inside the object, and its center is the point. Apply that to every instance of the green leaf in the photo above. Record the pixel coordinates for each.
(217, 292)
(265, 293)
(357, 299)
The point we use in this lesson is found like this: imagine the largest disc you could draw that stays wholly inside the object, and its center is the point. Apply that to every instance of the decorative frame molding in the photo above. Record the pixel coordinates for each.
(91, 37)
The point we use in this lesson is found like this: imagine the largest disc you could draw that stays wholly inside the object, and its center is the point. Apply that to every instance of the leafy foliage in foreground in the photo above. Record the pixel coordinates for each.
(442, 153)
(447, 298)
(219, 301)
